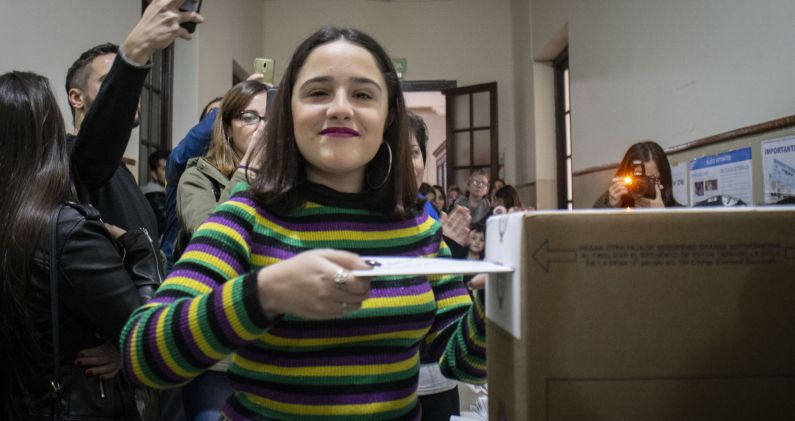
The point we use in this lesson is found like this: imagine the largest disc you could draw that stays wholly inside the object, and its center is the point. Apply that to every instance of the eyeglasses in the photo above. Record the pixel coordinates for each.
(478, 184)
(250, 118)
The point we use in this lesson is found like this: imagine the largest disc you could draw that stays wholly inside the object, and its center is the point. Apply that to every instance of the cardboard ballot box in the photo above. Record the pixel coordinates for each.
(642, 315)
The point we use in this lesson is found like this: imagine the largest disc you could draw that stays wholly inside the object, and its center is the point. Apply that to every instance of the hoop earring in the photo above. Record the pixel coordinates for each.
(388, 170)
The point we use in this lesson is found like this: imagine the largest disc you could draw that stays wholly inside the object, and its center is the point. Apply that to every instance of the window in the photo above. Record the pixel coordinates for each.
(155, 128)
(563, 128)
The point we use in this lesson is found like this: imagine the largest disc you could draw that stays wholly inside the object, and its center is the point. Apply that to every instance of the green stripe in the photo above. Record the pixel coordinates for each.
(171, 343)
(335, 381)
(240, 307)
(270, 413)
(358, 243)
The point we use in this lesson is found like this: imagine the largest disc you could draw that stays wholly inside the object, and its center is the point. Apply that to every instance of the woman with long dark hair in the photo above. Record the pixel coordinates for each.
(95, 293)
(647, 157)
(268, 278)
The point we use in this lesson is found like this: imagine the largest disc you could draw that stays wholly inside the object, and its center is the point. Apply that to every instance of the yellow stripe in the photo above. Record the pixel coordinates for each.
(258, 260)
(227, 231)
(196, 332)
(162, 349)
(401, 301)
(342, 235)
(138, 372)
(229, 310)
(269, 339)
(326, 370)
(185, 282)
(454, 301)
(361, 409)
(209, 260)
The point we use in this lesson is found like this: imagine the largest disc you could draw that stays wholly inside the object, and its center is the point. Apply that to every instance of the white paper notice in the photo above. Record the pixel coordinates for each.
(679, 183)
(503, 290)
(778, 167)
(395, 266)
(724, 174)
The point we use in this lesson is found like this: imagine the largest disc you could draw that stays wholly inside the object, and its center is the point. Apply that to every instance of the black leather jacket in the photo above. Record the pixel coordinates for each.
(101, 282)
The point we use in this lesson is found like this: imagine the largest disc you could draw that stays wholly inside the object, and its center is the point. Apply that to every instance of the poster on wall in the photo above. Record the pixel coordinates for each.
(679, 183)
(778, 167)
(726, 174)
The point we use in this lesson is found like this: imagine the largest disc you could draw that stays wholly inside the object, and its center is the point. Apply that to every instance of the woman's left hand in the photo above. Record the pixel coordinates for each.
(103, 361)
(644, 202)
(478, 282)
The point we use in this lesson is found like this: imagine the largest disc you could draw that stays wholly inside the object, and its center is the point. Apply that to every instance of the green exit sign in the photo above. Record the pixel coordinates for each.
(400, 65)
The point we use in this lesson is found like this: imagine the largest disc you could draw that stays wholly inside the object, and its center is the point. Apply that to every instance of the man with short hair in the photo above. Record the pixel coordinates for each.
(103, 88)
(155, 190)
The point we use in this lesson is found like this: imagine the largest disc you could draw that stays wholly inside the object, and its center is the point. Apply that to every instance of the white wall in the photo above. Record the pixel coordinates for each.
(465, 40)
(671, 71)
(232, 31)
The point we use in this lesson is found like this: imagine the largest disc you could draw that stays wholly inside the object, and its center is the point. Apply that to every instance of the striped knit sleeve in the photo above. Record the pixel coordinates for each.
(206, 309)
(458, 336)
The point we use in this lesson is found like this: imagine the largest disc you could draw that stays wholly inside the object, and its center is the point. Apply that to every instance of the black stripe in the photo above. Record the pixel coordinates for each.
(213, 322)
(179, 338)
(330, 389)
(334, 351)
(310, 325)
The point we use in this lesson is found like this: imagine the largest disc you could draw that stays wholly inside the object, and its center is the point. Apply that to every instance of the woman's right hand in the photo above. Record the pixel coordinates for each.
(305, 285)
(616, 191)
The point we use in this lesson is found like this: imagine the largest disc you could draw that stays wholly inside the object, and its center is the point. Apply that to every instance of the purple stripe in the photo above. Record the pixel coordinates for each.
(162, 368)
(271, 251)
(401, 291)
(346, 332)
(457, 292)
(217, 298)
(260, 356)
(194, 275)
(332, 225)
(216, 252)
(309, 400)
(190, 340)
(231, 224)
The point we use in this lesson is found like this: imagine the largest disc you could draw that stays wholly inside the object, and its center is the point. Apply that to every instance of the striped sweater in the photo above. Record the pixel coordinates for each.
(361, 366)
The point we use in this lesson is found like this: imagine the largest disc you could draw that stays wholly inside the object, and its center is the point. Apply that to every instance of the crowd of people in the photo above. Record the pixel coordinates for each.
(226, 282)
(262, 291)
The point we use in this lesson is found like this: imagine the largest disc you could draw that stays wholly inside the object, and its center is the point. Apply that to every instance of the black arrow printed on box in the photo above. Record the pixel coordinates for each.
(544, 256)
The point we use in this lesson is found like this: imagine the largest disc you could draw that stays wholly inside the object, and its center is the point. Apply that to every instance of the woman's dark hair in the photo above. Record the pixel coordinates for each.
(35, 170)
(425, 188)
(650, 151)
(439, 190)
(276, 184)
(509, 196)
(481, 228)
(221, 154)
(420, 131)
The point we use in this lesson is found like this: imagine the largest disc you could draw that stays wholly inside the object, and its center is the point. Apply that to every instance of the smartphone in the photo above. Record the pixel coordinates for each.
(264, 66)
(190, 6)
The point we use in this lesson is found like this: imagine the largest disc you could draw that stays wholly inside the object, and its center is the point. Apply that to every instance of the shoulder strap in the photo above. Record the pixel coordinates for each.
(216, 188)
(56, 337)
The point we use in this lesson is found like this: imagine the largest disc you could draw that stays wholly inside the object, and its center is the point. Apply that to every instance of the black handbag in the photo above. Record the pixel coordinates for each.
(75, 396)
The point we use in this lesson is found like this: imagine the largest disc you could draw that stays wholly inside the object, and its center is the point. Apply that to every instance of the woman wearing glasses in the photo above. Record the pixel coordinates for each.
(621, 193)
(241, 115)
(239, 120)
(476, 199)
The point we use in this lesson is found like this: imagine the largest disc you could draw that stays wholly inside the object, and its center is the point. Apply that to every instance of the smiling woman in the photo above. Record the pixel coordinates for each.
(268, 278)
